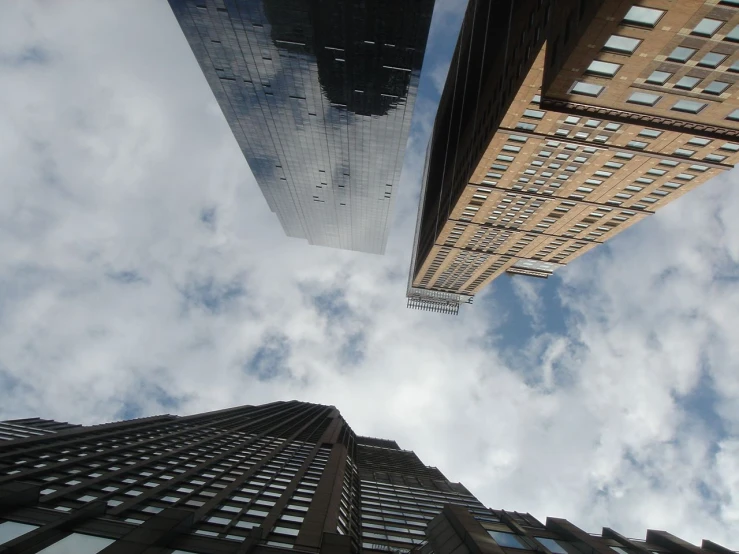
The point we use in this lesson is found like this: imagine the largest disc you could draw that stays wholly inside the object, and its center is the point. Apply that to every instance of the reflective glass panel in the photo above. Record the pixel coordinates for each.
(643, 17)
(77, 543)
(10, 530)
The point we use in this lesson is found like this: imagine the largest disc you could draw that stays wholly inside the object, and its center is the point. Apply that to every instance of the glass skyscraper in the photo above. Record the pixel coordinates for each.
(319, 95)
(257, 480)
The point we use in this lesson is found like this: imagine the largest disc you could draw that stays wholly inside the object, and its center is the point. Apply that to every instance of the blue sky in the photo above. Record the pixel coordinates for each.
(141, 272)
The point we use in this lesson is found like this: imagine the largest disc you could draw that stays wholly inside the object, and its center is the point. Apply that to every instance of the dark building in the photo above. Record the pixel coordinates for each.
(319, 95)
(258, 479)
(286, 475)
(455, 530)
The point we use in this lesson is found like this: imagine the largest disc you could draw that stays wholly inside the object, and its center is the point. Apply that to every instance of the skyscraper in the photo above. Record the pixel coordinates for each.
(255, 479)
(319, 95)
(562, 123)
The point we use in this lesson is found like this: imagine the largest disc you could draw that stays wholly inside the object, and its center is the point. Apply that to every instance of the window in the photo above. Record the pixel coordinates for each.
(683, 152)
(535, 114)
(77, 543)
(605, 69)
(651, 133)
(672, 163)
(712, 59)
(586, 89)
(643, 98)
(688, 106)
(613, 127)
(734, 3)
(687, 83)
(637, 144)
(696, 141)
(642, 17)
(659, 77)
(525, 126)
(700, 168)
(593, 123)
(613, 165)
(621, 44)
(733, 35)
(733, 116)
(716, 87)
(572, 120)
(681, 54)
(658, 172)
(555, 547)
(735, 67)
(707, 27)
(11, 530)
(685, 176)
(507, 539)
(714, 158)
(731, 147)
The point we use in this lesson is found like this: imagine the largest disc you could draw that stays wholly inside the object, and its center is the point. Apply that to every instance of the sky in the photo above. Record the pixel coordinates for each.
(141, 272)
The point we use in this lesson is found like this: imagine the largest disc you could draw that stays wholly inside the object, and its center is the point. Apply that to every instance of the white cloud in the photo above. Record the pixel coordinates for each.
(114, 292)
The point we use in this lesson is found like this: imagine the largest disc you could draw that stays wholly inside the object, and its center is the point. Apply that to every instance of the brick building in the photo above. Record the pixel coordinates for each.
(576, 120)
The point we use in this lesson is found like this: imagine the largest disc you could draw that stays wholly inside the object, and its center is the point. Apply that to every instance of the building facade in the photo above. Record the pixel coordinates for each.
(456, 530)
(319, 95)
(258, 480)
(595, 115)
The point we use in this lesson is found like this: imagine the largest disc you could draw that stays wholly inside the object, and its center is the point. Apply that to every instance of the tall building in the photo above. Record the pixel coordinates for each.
(561, 124)
(319, 95)
(286, 475)
(257, 480)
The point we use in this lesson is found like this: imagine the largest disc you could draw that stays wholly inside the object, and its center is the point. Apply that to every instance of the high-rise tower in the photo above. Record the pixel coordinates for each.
(319, 95)
(257, 480)
(562, 123)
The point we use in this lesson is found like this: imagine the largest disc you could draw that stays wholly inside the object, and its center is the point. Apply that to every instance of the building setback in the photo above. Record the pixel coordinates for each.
(561, 124)
(257, 479)
(319, 95)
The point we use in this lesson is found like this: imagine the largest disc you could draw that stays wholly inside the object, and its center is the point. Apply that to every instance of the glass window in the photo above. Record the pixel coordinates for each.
(621, 44)
(593, 123)
(734, 116)
(587, 89)
(637, 144)
(683, 152)
(651, 133)
(572, 120)
(681, 54)
(77, 543)
(731, 147)
(11, 530)
(525, 126)
(606, 69)
(735, 67)
(716, 87)
(734, 3)
(687, 83)
(659, 77)
(552, 545)
(712, 59)
(733, 35)
(707, 27)
(643, 98)
(700, 168)
(697, 141)
(714, 158)
(536, 114)
(507, 539)
(613, 127)
(688, 106)
(642, 17)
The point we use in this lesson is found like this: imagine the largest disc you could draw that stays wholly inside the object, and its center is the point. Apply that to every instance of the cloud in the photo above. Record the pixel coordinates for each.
(141, 272)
